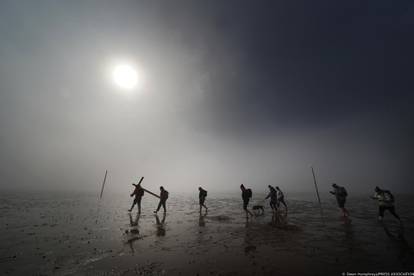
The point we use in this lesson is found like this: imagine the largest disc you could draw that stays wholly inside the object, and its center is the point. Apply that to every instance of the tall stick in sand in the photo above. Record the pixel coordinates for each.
(100, 197)
(103, 184)
(317, 193)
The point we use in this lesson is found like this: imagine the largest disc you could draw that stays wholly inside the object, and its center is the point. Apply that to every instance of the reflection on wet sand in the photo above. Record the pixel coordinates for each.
(64, 234)
(133, 232)
(398, 241)
(160, 225)
(247, 223)
(348, 240)
(279, 219)
(249, 236)
(201, 220)
(134, 222)
(348, 229)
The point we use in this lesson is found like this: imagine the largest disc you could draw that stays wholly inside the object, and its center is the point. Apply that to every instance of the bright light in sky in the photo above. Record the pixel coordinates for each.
(126, 77)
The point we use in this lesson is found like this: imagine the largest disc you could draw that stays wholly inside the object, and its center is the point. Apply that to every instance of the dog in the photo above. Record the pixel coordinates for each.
(259, 209)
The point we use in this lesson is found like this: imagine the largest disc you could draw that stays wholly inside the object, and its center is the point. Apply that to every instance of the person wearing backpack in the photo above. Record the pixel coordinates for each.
(385, 202)
(340, 194)
(273, 198)
(163, 199)
(139, 193)
(202, 198)
(281, 198)
(246, 195)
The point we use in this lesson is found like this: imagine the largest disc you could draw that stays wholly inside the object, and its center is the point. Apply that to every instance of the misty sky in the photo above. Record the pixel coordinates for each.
(236, 92)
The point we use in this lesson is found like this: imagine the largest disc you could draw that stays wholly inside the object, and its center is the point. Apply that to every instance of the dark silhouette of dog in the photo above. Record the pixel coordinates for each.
(258, 209)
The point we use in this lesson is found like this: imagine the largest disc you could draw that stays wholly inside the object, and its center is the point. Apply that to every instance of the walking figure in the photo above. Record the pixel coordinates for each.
(246, 195)
(273, 198)
(202, 198)
(163, 199)
(281, 198)
(385, 202)
(139, 193)
(340, 193)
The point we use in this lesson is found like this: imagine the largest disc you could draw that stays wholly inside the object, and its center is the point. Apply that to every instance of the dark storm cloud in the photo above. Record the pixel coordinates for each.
(301, 62)
(238, 91)
(298, 66)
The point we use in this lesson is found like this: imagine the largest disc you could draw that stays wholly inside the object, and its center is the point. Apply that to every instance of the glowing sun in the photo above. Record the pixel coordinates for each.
(126, 77)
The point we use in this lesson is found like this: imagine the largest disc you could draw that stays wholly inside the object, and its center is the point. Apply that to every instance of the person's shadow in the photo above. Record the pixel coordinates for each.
(160, 225)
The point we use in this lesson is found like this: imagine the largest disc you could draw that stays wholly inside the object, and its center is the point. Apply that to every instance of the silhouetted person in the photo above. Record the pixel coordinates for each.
(273, 198)
(246, 195)
(385, 202)
(139, 193)
(160, 225)
(163, 199)
(202, 198)
(340, 193)
(280, 198)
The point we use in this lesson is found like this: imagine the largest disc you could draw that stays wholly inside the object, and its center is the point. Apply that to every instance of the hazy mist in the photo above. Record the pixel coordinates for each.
(251, 96)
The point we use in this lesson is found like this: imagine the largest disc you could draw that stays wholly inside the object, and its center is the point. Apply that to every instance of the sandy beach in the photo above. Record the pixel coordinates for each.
(76, 235)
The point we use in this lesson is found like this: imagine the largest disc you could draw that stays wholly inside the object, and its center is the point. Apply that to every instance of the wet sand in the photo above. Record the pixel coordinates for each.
(70, 235)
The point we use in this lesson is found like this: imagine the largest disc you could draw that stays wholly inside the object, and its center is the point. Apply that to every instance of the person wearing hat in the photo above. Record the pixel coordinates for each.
(340, 194)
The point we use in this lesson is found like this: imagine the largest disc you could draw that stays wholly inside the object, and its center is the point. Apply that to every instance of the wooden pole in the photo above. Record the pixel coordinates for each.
(142, 178)
(103, 184)
(100, 197)
(151, 193)
(317, 194)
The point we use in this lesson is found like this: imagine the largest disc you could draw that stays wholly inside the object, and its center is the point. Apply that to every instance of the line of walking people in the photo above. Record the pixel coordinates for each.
(386, 201)
(276, 198)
